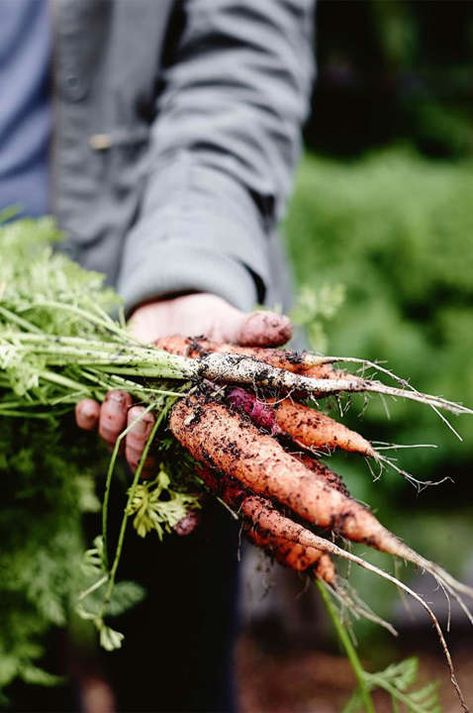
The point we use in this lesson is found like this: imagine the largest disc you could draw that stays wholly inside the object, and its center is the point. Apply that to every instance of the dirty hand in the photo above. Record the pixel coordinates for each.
(190, 315)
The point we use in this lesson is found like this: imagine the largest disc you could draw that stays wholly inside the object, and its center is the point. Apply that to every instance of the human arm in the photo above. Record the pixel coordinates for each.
(223, 148)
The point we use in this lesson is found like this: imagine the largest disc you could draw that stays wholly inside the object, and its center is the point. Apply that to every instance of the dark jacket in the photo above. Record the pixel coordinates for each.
(177, 133)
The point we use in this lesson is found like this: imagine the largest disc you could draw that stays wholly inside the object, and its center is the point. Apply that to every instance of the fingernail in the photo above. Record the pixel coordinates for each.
(88, 411)
(117, 397)
(116, 403)
(141, 427)
(187, 524)
(145, 420)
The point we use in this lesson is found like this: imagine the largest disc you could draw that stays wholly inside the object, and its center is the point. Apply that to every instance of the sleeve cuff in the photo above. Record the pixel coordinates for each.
(202, 271)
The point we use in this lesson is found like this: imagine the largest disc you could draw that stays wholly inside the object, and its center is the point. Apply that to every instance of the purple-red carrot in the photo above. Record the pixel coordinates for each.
(306, 426)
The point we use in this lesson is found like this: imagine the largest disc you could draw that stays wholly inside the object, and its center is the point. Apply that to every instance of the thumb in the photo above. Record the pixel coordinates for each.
(263, 329)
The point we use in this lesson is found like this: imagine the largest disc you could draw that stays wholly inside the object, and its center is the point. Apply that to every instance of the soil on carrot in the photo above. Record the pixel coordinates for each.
(314, 681)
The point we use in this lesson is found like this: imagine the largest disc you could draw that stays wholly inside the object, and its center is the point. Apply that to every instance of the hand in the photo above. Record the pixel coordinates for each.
(111, 418)
(210, 316)
(190, 315)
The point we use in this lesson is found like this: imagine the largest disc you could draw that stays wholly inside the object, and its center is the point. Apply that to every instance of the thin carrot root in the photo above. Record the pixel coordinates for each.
(418, 484)
(262, 516)
(349, 599)
(283, 550)
(305, 537)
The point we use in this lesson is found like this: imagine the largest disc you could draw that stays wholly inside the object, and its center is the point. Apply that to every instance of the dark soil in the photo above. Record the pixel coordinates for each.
(319, 682)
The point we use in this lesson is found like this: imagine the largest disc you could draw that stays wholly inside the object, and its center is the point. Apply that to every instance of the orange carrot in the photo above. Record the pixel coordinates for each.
(223, 440)
(226, 442)
(314, 429)
(263, 414)
(294, 556)
(334, 480)
(253, 509)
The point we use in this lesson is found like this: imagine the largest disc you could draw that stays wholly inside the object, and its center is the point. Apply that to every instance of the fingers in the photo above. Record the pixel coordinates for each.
(137, 437)
(116, 414)
(87, 414)
(188, 524)
(113, 415)
(209, 315)
(264, 329)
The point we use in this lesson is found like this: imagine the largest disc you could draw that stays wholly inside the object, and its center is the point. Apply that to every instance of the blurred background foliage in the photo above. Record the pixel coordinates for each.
(392, 70)
(396, 229)
(383, 207)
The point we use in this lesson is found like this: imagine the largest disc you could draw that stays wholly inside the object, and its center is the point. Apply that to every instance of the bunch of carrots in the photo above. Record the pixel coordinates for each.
(259, 453)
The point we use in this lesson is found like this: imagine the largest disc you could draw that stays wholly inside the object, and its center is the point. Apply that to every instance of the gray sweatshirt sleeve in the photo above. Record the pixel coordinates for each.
(224, 145)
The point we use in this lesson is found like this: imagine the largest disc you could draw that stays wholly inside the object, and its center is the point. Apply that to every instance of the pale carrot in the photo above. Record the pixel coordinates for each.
(290, 360)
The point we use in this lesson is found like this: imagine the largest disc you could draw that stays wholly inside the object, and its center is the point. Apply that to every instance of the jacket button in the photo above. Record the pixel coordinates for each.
(73, 89)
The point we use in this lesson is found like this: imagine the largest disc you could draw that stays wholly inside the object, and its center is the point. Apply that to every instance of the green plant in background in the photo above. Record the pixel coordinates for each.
(396, 230)
(41, 471)
(48, 469)
(436, 105)
(314, 308)
(401, 70)
(398, 680)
